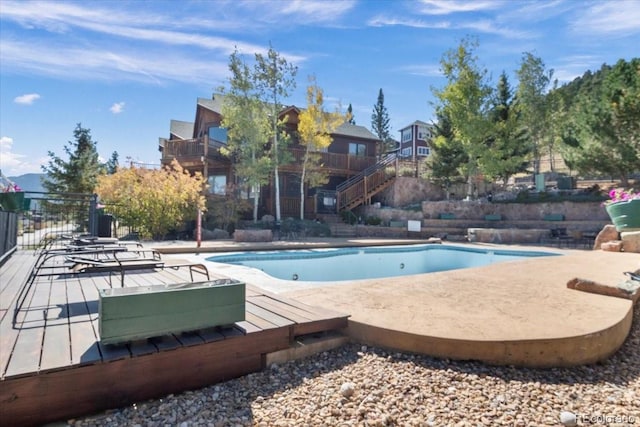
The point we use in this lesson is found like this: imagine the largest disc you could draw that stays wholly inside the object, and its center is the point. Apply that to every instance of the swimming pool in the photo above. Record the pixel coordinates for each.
(330, 265)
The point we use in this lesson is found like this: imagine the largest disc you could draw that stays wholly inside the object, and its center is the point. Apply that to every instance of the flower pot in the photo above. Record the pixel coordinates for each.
(625, 215)
(12, 201)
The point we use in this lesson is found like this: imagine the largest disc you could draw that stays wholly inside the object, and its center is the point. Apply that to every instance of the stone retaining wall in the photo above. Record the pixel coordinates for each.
(477, 210)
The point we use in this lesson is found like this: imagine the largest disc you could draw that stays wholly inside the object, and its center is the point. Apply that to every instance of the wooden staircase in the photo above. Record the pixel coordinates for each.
(360, 188)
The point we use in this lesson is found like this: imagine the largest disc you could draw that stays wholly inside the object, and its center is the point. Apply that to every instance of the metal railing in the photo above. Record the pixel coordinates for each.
(8, 234)
(56, 213)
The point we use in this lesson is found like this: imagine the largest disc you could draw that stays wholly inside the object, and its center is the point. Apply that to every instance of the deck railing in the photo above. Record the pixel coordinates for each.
(360, 188)
(183, 148)
(335, 162)
(8, 234)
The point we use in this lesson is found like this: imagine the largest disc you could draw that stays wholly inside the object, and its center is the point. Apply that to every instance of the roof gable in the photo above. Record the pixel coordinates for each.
(181, 130)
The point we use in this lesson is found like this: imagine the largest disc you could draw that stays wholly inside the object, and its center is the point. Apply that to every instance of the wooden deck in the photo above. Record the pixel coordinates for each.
(53, 366)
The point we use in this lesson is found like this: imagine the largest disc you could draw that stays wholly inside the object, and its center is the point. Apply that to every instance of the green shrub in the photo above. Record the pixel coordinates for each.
(373, 220)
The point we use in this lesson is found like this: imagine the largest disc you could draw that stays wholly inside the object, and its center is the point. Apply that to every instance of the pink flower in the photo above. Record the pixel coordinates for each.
(621, 195)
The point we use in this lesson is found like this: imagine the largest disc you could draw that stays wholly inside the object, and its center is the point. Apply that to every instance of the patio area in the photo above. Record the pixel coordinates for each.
(515, 313)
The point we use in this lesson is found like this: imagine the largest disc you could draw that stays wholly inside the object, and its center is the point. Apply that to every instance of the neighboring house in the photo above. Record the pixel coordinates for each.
(415, 141)
(197, 147)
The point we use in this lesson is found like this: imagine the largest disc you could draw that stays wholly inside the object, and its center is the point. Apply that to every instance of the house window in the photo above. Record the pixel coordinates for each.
(357, 149)
(407, 152)
(407, 135)
(423, 151)
(218, 134)
(423, 133)
(217, 184)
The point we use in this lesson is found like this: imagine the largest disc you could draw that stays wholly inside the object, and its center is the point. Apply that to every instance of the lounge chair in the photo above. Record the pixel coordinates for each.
(122, 261)
(101, 261)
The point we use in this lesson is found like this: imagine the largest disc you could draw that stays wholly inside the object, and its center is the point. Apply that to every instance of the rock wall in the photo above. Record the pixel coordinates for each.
(476, 210)
(587, 211)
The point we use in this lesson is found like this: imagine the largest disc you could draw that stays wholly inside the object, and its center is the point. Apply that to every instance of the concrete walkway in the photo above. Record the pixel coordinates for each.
(517, 312)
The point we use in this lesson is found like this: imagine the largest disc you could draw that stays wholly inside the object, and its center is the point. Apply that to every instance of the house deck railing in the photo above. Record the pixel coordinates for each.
(360, 188)
(335, 162)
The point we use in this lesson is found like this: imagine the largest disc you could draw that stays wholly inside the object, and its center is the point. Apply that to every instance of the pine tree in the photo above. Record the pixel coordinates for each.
(380, 123)
(352, 119)
(448, 160)
(112, 164)
(507, 148)
(80, 173)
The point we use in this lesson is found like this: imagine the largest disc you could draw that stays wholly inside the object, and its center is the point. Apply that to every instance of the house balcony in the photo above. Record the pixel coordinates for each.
(194, 152)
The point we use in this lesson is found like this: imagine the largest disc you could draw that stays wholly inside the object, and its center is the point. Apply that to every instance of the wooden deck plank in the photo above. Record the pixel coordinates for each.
(166, 342)
(248, 327)
(84, 338)
(141, 348)
(259, 322)
(56, 348)
(190, 338)
(267, 315)
(31, 324)
(91, 293)
(289, 311)
(319, 311)
(13, 274)
(210, 335)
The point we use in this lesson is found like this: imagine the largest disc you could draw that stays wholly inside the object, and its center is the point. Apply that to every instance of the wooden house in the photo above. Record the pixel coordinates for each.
(415, 141)
(355, 174)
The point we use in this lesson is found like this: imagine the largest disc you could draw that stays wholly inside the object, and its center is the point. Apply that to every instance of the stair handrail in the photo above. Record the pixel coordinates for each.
(367, 172)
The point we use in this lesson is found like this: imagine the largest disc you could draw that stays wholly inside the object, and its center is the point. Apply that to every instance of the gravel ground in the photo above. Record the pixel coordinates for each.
(364, 386)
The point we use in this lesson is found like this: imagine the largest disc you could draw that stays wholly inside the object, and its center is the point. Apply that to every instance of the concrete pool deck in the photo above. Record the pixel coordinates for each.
(515, 313)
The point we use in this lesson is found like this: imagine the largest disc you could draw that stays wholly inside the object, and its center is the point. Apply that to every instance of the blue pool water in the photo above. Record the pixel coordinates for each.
(369, 262)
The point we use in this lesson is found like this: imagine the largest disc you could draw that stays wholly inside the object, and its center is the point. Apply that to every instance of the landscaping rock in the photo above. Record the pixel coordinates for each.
(216, 234)
(630, 241)
(397, 389)
(253, 236)
(612, 246)
(607, 234)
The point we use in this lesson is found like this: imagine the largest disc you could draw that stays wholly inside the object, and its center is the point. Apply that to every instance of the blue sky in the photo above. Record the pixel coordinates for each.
(124, 69)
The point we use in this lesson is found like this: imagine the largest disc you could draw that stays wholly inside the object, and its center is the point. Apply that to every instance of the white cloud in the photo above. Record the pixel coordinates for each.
(316, 11)
(117, 108)
(445, 7)
(14, 164)
(618, 19)
(26, 99)
(483, 26)
(427, 70)
(97, 64)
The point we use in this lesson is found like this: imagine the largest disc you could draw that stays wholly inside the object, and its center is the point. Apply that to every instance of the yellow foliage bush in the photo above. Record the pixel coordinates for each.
(153, 201)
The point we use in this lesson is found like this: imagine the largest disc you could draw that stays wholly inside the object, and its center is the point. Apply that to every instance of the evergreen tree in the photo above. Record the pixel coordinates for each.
(352, 119)
(602, 133)
(112, 164)
(78, 174)
(448, 159)
(380, 124)
(507, 150)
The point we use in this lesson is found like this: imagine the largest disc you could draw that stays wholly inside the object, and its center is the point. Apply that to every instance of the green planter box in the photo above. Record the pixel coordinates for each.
(129, 314)
(625, 215)
(12, 201)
